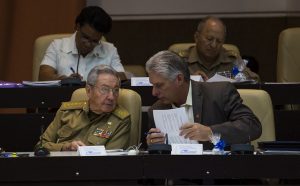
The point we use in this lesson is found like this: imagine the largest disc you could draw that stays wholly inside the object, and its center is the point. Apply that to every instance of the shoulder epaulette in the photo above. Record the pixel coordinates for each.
(232, 54)
(121, 112)
(73, 105)
(185, 53)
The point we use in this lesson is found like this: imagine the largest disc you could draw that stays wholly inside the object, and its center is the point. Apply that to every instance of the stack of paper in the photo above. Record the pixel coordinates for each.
(42, 83)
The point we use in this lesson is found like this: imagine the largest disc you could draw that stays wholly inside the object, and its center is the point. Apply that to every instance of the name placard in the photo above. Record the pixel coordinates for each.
(187, 149)
(91, 150)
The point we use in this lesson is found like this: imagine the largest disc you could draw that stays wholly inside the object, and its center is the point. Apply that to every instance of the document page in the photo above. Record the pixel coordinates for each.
(169, 121)
(218, 78)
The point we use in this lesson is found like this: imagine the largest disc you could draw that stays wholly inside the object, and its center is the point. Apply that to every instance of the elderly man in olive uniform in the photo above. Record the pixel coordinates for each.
(209, 56)
(98, 121)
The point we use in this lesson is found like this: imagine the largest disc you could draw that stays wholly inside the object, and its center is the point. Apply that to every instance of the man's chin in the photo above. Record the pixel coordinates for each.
(165, 101)
(108, 108)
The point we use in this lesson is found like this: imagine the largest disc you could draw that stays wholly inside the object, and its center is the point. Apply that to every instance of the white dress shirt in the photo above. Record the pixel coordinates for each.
(62, 55)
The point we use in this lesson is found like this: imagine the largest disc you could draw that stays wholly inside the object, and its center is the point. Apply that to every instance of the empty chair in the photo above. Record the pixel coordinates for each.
(260, 103)
(288, 58)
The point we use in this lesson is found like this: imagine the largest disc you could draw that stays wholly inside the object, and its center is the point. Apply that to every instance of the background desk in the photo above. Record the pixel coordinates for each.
(20, 131)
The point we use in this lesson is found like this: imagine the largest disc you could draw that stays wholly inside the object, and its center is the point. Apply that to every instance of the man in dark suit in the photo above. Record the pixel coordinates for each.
(210, 107)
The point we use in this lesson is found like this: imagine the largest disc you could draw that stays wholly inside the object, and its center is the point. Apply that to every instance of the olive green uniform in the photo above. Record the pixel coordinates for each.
(74, 121)
(223, 65)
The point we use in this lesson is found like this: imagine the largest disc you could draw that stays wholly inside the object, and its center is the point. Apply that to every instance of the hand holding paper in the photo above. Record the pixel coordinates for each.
(170, 121)
(195, 131)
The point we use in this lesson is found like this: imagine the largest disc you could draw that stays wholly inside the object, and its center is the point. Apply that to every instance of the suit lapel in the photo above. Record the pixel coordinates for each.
(197, 97)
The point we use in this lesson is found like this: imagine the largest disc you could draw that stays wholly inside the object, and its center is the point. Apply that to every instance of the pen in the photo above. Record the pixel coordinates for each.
(71, 68)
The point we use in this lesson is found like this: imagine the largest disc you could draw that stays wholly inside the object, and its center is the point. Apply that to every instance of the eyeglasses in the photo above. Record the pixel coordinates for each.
(104, 90)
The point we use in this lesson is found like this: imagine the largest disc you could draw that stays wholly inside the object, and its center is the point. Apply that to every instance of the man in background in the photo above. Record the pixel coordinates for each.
(209, 56)
(75, 56)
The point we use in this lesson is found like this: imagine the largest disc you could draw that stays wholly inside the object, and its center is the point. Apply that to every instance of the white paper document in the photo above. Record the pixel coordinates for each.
(169, 121)
(218, 78)
(42, 83)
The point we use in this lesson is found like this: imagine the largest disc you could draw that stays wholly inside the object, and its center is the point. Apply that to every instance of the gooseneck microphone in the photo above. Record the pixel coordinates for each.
(41, 150)
(70, 81)
(77, 63)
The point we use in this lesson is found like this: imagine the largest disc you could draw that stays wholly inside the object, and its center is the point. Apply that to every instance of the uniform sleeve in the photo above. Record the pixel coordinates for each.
(49, 137)
(115, 60)
(120, 139)
(242, 125)
(50, 57)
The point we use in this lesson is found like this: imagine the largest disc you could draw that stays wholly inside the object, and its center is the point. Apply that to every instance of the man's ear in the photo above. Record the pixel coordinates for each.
(196, 36)
(88, 90)
(180, 79)
(77, 26)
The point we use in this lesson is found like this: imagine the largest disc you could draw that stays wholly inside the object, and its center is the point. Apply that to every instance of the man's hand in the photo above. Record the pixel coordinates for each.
(76, 75)
(155, 136)
(195, 131)
(202, 74)
(73, 146)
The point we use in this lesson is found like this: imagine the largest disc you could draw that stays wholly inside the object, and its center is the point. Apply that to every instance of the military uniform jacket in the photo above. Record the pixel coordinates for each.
(74, 121)
(222, 65)
(219, 106)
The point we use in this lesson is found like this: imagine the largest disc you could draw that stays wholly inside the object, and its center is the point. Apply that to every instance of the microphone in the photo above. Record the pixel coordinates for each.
(160, 148)
(73, 80)
(41, 150)
(242, 149)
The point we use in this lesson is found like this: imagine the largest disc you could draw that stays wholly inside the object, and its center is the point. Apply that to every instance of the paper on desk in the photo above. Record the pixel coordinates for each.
(169, 121)
(218, 78)
(215, 78)
(197, 78)
(41, 83)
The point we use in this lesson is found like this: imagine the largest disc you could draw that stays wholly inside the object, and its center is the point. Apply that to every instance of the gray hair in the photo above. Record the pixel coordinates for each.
(100, 69)
(168, 64)
(202, 23)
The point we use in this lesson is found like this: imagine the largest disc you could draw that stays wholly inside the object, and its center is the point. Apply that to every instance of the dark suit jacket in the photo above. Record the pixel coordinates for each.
(219, 106)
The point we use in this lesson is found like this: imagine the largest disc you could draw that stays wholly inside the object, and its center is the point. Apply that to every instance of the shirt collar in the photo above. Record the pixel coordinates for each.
(98, 51)
(189, 101)
(224, 57)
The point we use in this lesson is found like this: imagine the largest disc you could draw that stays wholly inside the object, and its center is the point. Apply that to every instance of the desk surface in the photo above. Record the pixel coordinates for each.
(149, 166)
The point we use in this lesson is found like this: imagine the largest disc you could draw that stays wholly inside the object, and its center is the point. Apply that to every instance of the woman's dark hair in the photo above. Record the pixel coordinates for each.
(95, 17)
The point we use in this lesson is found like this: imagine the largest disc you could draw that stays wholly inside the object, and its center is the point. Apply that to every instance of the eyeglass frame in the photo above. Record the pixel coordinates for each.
(105, 90)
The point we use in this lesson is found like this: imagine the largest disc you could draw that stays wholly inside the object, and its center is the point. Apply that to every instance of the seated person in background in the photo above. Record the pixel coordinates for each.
(75, 56)
(209, 56)
(98, 121)
(211, 107)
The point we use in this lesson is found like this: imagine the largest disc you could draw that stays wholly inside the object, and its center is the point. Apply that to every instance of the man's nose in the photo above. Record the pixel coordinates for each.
(110, 95)
(154, 91)
(213, 43)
